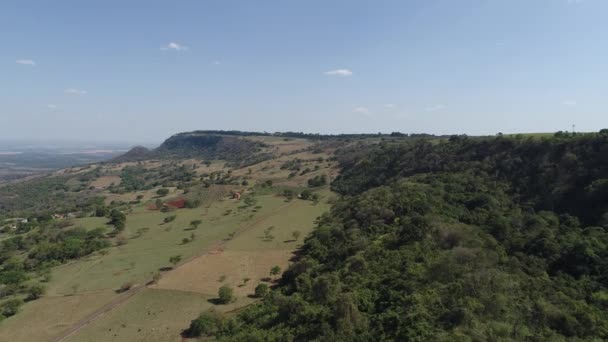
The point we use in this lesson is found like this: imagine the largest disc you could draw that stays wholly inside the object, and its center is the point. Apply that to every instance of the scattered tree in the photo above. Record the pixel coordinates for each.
(225, 294)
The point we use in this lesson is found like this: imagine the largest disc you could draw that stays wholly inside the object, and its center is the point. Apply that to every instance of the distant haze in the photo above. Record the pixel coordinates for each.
(139, 71)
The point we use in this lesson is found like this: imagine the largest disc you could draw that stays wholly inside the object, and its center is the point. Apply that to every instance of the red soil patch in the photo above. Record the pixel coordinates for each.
(178, 203)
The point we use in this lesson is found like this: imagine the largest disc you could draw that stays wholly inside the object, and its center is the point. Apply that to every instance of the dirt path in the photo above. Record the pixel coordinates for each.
(98, 313)
(124, 297)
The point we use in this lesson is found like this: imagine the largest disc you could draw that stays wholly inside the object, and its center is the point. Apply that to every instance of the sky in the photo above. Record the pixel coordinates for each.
(144, 70)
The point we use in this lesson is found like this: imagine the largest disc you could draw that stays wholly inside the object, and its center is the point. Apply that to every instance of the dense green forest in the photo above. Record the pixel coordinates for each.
(466, 239)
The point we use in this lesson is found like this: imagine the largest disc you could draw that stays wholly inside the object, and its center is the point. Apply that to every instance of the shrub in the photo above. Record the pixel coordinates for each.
(10, 307)
(225, 294)
(125, 287)
(35, 291)
(175, 259)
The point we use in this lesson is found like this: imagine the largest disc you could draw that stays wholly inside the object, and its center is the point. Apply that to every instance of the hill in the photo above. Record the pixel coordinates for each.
(201, 144)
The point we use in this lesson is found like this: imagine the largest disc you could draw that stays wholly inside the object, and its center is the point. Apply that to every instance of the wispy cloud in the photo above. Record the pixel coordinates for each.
(216, 63)
(174, 46)
(389, 105)
(75, 91)
(361, 110)
(51, 106)
(570, 103)
(434, 108)
(574, 1)
(339, 72)
(25, 62)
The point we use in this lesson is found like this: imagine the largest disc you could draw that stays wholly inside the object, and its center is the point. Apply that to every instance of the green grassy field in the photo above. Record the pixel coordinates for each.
(143, 256)
(152, 315)
(47, 317)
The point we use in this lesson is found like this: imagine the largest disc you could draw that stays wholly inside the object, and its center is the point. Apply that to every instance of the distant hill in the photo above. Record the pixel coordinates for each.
(231, 147)
(136, 153)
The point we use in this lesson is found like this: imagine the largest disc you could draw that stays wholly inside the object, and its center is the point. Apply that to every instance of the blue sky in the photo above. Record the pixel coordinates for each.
(142, 70)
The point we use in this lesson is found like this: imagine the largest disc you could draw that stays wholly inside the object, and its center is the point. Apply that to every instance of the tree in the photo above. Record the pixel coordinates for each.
(296, 234)
(225, 294)
(195, 223)
(275, 270)
(261, 290)
(208, 323)
(118, 219)
(162, 192)
(101, 211)
(175, 259)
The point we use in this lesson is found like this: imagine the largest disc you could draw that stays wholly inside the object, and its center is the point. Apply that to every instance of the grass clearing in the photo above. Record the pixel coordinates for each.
(152, 315)
(46, 317)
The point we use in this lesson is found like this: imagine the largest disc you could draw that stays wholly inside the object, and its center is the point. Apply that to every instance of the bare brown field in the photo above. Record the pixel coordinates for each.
(209, 272)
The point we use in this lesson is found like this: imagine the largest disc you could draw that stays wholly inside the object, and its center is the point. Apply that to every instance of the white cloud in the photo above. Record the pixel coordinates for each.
(361, 110)
(25, 62)
(75, 91)
(570, 103)
(339, 72)
(174, 46)
(389, 105)
(51, 106)
(434, 108)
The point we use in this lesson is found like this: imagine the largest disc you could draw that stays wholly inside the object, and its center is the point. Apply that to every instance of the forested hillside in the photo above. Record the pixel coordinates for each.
(467, 239)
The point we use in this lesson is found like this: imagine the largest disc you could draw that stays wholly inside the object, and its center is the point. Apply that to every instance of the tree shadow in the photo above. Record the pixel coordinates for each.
(215, 301)
(165, 268)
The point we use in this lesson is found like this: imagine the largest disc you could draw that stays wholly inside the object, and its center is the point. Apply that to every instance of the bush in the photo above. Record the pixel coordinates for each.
(162, 192)
(35, 291)
(225, 294)
(306, 194)
(261, 290)
(175, 259)
(10, 307)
